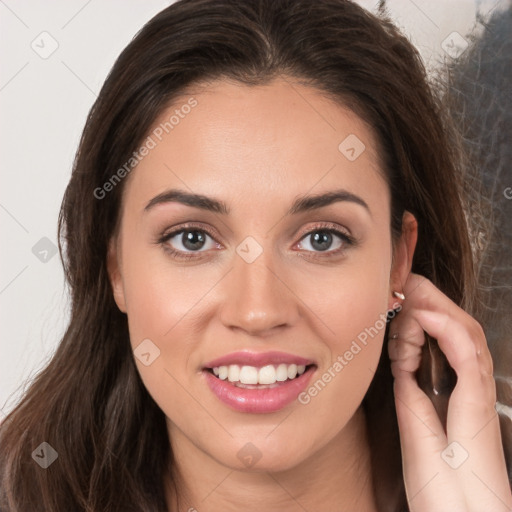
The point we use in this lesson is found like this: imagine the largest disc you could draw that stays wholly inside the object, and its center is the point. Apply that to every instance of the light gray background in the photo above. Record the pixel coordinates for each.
(43, 106)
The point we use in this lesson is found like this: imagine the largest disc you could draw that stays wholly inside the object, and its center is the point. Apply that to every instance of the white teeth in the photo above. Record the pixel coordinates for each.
(292, 371)
(223, 372)
(233, 373)
(268, 374)
(248, 375)
(282, 373)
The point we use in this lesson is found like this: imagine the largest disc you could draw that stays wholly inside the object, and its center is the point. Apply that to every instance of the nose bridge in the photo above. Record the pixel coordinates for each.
(257, 299)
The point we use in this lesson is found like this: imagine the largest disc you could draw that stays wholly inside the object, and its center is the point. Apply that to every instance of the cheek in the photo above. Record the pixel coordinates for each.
(352, 299)
(160, 300)
(160, 295)
(354, 308)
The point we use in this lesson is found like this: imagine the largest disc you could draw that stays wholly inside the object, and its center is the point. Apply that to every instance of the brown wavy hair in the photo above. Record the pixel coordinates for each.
(89, 402)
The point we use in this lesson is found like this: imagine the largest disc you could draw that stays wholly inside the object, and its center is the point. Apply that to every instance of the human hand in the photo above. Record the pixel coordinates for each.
(462, 469)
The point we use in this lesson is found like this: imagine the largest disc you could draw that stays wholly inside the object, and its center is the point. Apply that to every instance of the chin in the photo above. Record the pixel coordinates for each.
(262, 454)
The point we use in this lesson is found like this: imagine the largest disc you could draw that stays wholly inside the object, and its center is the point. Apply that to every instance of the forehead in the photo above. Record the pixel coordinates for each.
(263, 143)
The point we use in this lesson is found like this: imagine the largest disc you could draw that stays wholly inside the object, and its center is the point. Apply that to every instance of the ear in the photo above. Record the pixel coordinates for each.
(402, 257)
(114, 273)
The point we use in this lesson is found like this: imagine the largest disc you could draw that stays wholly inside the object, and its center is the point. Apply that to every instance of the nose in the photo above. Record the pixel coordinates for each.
(258, 298)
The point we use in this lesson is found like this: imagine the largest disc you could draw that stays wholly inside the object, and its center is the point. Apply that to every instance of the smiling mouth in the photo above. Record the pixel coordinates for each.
(254, 377)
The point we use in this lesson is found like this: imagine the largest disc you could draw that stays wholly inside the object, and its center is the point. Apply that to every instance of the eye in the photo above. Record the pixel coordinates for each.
(322, 239)
(184, 242)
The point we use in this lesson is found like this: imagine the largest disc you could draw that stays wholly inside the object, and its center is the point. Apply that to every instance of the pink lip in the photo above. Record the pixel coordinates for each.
(257, 359)
(263, 400)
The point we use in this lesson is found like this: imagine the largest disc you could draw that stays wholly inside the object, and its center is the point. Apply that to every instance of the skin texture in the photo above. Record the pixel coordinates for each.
(258, 149)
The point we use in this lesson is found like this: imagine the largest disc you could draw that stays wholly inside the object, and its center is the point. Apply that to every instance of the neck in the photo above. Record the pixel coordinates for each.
(336, 477)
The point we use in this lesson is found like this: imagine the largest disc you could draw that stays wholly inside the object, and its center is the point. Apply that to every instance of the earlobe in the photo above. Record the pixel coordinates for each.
(114, 273)
(402, 257)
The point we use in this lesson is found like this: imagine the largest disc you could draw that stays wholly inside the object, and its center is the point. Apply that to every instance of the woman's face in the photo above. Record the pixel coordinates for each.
(261, 283)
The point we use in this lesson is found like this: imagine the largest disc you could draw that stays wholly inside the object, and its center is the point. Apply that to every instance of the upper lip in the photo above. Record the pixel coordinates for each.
(257, 359)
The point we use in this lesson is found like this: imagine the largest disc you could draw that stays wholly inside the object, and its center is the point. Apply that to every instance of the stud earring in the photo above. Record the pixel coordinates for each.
(399, 295)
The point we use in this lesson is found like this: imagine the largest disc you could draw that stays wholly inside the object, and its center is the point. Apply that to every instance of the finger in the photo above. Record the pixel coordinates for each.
(429, 483)
(405, 344)
(473, 431)
(473, 425)
(422, 294)
(404, 348)
(422, 436)
(476, 387)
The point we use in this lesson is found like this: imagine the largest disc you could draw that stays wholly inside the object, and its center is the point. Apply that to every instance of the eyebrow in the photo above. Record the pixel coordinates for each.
(300, 205)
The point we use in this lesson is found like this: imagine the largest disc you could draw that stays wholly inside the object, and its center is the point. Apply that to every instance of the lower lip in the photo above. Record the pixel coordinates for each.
(262, 400)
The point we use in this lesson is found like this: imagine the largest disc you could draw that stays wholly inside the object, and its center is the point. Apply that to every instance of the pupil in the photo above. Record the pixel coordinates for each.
(193, 239)
(322, 237)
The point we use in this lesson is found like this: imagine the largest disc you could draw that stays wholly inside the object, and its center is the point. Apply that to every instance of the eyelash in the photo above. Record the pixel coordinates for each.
(347, 240)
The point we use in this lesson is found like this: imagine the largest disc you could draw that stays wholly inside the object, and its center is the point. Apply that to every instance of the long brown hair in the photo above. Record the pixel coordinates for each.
(89, 403)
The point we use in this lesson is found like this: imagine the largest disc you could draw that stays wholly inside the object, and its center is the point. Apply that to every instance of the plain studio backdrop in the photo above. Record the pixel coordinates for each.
(55, 57)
